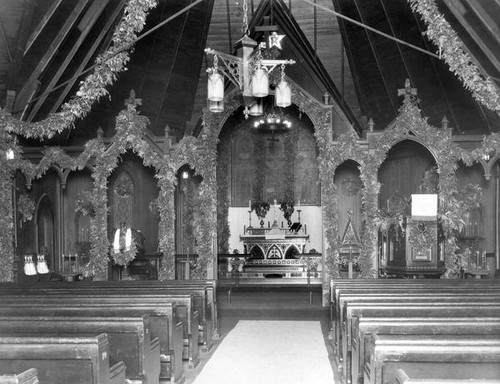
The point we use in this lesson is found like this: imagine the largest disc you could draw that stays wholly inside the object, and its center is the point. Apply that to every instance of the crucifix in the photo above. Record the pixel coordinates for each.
(407, 91)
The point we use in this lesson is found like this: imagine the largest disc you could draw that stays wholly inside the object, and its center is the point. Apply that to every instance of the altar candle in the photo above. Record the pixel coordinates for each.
(249, 205)
(298, 205)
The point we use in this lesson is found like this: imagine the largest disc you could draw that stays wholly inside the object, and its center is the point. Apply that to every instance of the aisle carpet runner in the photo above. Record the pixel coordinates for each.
(265, 352)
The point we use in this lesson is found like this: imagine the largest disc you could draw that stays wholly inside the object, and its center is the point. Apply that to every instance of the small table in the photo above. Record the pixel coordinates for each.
(478, 274)
(71, 276)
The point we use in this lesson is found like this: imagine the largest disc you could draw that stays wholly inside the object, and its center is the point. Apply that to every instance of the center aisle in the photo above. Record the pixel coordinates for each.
(270, 351)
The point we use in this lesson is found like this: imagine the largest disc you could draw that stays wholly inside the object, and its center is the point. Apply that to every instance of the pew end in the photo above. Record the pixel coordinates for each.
(30, 376)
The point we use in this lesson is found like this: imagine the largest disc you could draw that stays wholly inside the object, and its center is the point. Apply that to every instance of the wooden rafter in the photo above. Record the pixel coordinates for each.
(365, 106)
(436, 73)
(459, 11)
(24, 96)
(91, 16)
(377, 58)
(405, 64)
(42, 24)
(83, 63)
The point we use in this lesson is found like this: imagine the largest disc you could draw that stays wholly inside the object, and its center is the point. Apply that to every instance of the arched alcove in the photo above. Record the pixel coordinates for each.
(187, 210)
(45, 234)
(405, 171)
(266, 165)
(348, 185)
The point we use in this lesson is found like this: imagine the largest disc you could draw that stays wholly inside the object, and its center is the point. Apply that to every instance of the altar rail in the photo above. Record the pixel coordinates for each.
(304, 268)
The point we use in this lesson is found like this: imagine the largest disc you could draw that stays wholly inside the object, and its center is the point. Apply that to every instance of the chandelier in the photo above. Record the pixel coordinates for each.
(272, 119)
(250, 73)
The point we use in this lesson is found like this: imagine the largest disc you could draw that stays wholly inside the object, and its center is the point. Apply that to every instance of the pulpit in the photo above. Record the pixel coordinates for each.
(411, 248)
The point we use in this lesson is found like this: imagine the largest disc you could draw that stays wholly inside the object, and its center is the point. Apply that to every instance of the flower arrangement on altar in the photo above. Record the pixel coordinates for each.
(287, 207)
(261, 208)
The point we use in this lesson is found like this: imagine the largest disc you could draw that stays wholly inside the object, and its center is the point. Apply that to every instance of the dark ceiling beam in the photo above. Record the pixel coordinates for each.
(377, 58)
(364, 105)
(83, 63)
(229, 35)
(195, 79)
(174, 54)
(89, 18)
(452, 116)
(393, 32)
(24, 94)
(460, 12)
(41, 25)
(152, 49)
(405, 64)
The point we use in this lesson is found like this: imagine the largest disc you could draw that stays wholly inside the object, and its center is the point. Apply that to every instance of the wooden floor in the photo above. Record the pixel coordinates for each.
(269, 303)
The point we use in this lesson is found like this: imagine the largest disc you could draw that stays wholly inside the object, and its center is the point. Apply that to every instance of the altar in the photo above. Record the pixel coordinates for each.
(274, 254)
(274, 242)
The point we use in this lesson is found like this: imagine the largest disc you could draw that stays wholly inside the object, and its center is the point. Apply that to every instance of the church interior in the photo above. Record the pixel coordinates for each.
(247, 191)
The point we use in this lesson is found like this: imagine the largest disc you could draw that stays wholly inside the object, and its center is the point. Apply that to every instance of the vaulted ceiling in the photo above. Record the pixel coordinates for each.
(44, 44)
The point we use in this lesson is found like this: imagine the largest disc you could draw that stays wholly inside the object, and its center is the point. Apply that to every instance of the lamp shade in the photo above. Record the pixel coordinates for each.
(257, 108)
(216, 106)
(215, 87)
(283, 94)
(260, 83)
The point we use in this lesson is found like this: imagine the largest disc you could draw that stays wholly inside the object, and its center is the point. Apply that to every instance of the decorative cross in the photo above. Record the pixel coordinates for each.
(131, 103)
(407, 91)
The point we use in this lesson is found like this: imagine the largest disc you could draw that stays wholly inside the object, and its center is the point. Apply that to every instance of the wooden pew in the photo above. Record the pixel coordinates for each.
(362, 327)
(204, 294)
(368, 289)
(448, 356)
(343, 335)
(363, 293)
(391, 285)
(407, 308)
(163, 325)
(30, 376)
(401, 377)
(184, 304)
(373, 287)
(129, 338)
(62, 360)
(341, 327)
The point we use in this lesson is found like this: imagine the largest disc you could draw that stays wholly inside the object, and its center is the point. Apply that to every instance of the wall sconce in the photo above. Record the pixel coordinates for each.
(185, 175)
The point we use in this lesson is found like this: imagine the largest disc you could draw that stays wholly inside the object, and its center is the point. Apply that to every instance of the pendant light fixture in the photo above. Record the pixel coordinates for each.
(250, 73)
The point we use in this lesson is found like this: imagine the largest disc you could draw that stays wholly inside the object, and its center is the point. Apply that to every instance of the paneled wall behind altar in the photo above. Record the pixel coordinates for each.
(276, 156)
(270, 166)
